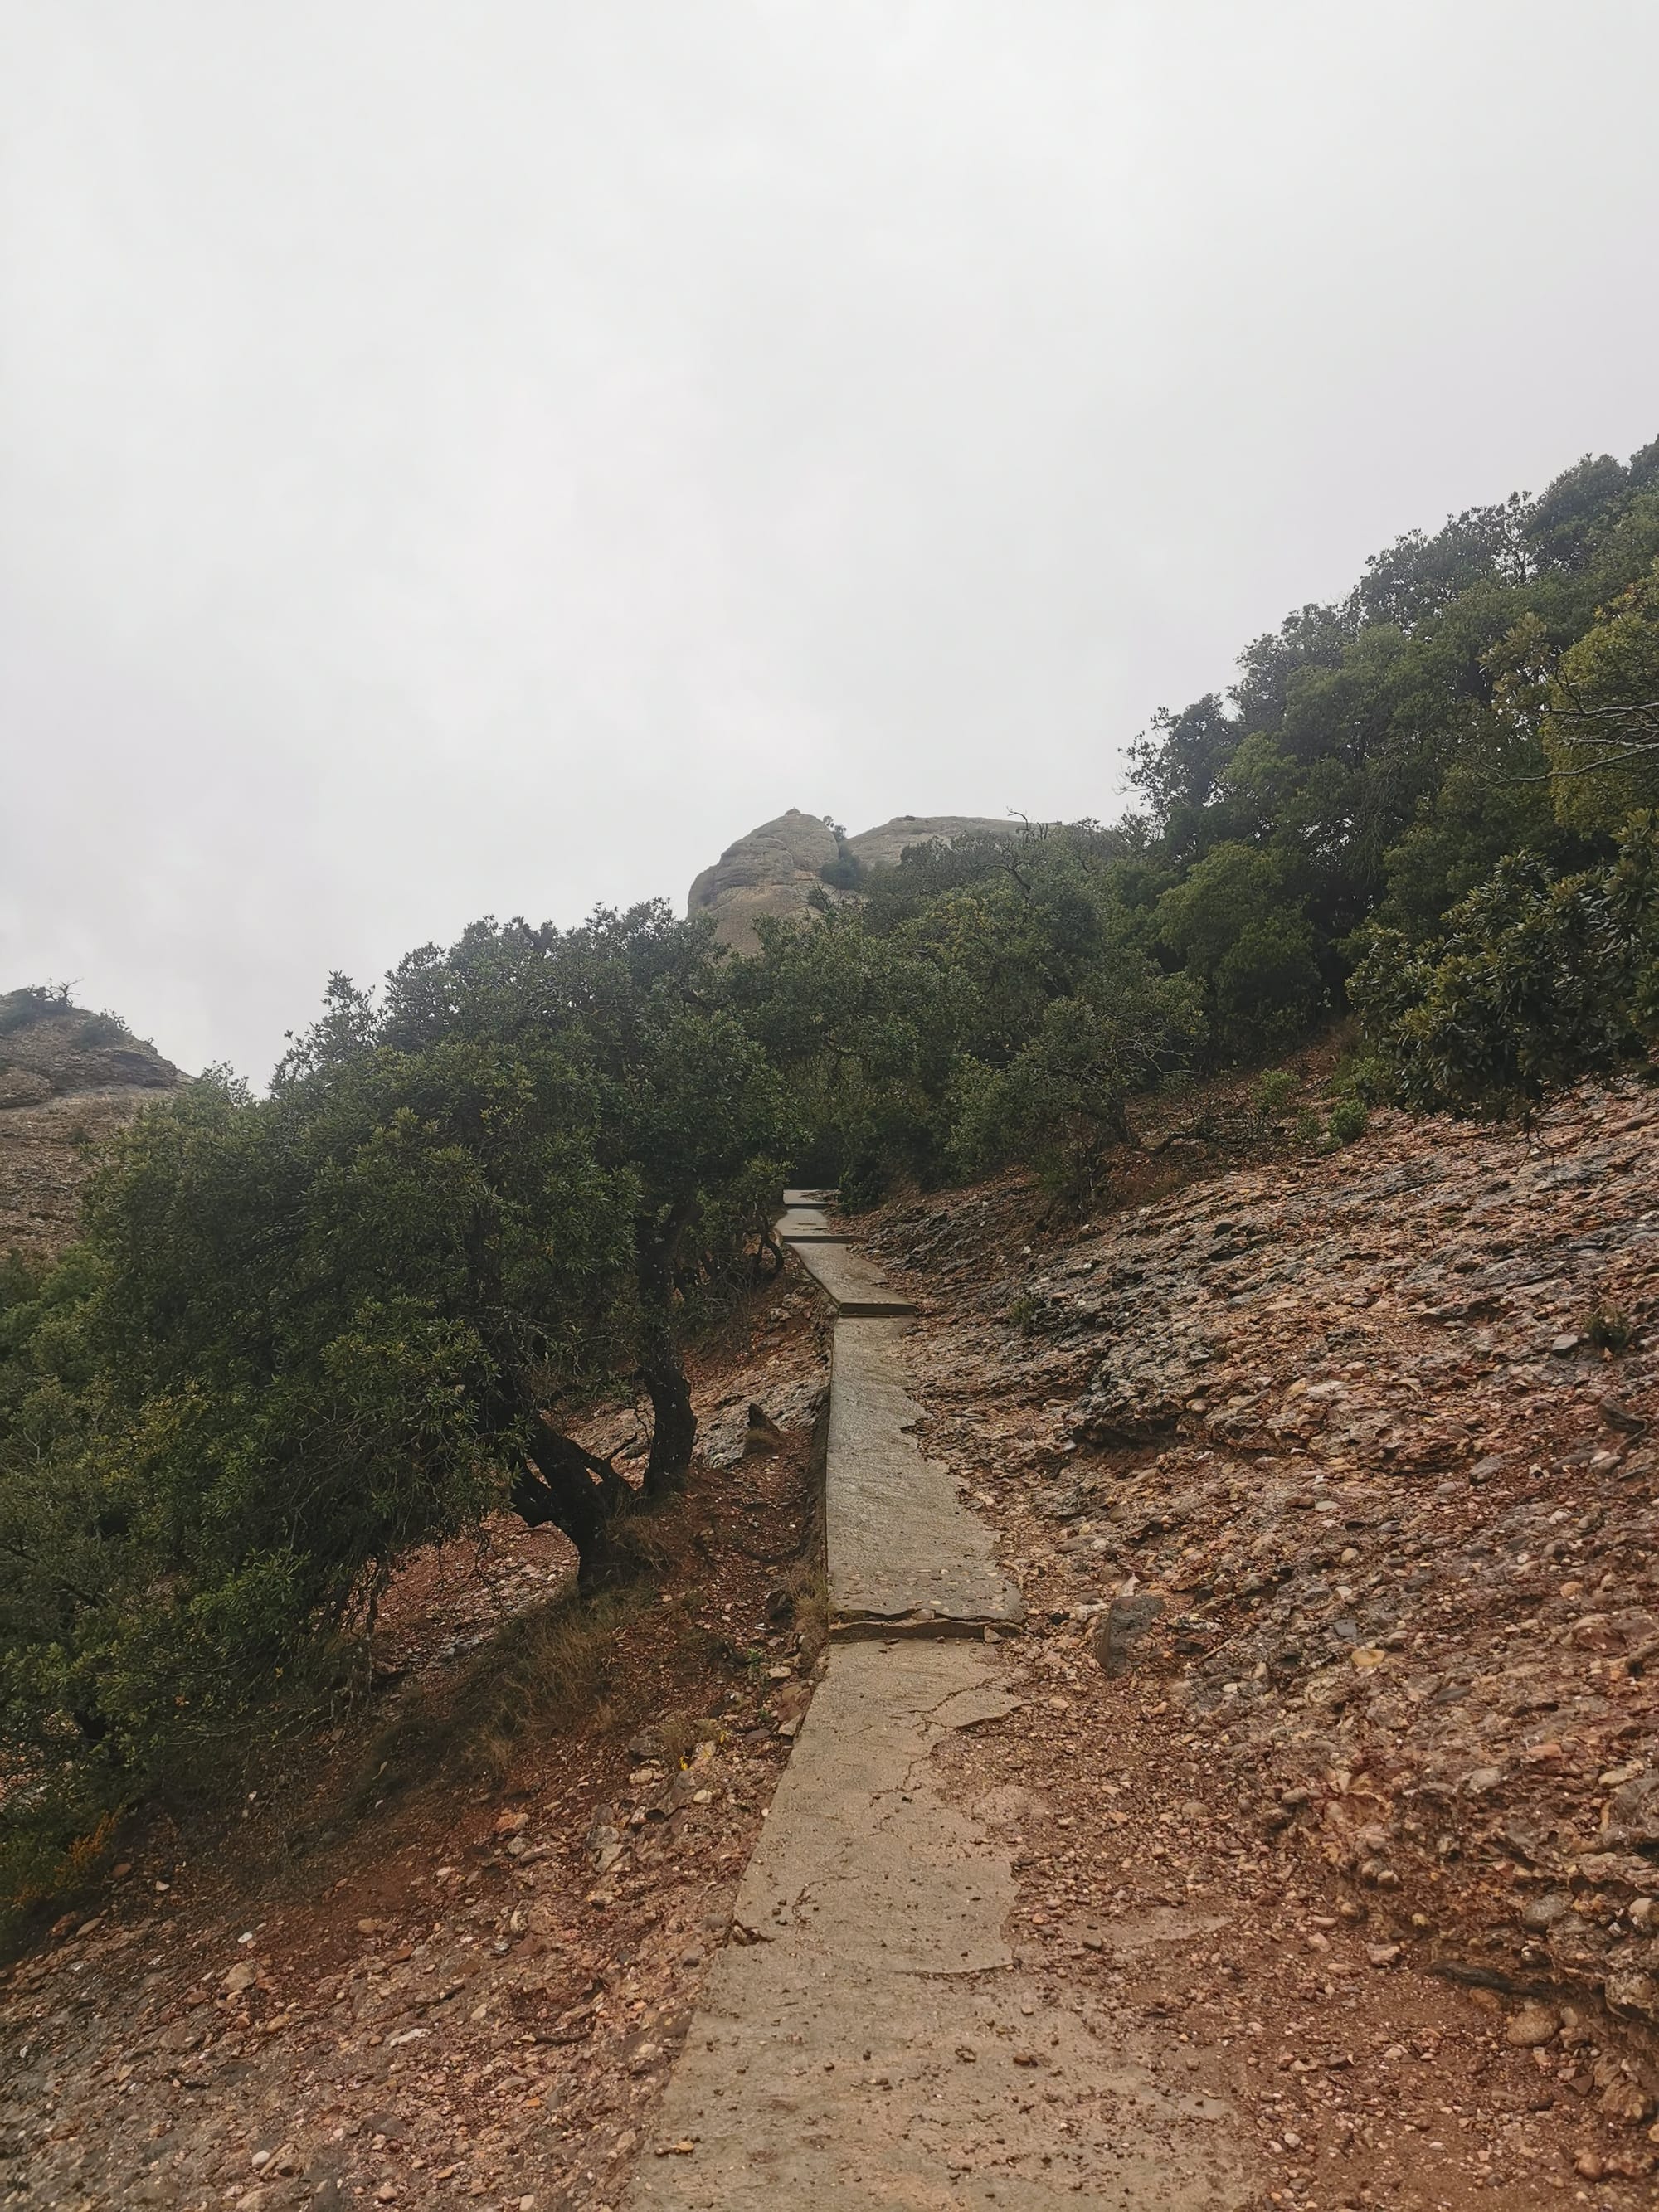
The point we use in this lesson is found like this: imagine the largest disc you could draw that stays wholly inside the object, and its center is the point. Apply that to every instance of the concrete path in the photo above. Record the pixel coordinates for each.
(868, 2038)
(905, 1551)
(848, 1278)
(806, 1219)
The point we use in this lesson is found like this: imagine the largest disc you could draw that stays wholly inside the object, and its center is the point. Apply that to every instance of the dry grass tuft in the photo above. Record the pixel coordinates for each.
(545, 1671)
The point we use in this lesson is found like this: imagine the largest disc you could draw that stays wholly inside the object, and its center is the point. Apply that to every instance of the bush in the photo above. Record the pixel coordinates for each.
(1271, 1094)
(102, 1028)
(33, 1002)
(1537, 981)
(1061, 1103)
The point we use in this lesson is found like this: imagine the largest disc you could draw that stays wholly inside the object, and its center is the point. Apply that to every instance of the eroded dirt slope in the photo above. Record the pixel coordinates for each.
(1331, 1492)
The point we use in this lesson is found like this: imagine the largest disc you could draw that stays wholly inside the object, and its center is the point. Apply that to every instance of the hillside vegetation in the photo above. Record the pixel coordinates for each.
(302, 1336)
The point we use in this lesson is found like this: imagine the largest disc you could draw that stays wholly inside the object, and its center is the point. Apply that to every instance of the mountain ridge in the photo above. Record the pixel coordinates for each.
(773, 869)
(68, 1080)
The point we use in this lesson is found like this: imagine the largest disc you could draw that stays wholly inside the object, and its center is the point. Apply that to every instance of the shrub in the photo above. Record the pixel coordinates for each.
(1609, 1329)
(33, 1002)
(1537, 980)
(1271, 1094)
(1061, 1104)
(1349, 1121)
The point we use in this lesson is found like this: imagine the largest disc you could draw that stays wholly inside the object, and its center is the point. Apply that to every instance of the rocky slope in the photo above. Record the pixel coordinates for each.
(1332, 1483)
(775, 869)
(68, 1080)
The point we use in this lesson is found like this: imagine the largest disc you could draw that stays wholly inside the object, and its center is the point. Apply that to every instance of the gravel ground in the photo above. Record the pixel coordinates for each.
(1335, 1524)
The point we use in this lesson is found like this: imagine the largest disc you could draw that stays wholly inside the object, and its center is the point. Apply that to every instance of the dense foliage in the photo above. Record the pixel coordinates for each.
(306, 1334)
(1390, 781)
(1537, 980)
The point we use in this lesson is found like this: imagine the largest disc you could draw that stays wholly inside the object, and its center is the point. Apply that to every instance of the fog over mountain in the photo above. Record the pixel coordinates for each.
(463, 459)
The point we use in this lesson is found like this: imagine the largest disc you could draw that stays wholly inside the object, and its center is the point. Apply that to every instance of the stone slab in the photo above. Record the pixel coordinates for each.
(868, 2040)
(810, 1224)
(847, 1278)
(905, 1551)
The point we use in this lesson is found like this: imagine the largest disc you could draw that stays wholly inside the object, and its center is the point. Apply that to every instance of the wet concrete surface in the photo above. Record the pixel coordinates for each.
(905, 1549)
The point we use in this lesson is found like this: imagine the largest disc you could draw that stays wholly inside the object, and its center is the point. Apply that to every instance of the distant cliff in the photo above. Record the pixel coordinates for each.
(775, 868)
(67, 1079)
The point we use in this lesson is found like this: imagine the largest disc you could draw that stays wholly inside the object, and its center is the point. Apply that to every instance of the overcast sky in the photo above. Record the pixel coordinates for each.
(465, 456)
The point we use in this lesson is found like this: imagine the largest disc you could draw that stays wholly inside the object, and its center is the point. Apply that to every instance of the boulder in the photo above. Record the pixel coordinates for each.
(772, 871)
(775, 868)
(68, 1080)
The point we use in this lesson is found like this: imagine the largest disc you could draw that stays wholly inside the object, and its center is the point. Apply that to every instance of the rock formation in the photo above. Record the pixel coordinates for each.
(68, 1080)
(773, 869)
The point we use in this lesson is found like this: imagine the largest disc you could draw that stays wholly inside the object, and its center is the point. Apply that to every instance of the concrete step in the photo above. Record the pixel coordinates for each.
(810, 1224)
(848, 1280)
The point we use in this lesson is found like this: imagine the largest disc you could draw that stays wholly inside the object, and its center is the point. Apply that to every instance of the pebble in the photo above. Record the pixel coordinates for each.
(1532, 2027)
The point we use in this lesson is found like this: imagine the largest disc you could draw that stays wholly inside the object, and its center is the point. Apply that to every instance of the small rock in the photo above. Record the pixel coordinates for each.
(1126, 1620)
(1632, 1817)
(762, 1434)
(1531, 2028)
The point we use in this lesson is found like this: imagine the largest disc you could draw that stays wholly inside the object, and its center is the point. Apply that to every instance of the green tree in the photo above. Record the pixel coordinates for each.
(1600, 718)
(306, 1334)
(1230, 922)
(1060, 1104)
(1537, 980)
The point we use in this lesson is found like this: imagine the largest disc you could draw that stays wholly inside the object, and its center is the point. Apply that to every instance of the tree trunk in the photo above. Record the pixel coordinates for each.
(560, 1483)
(673, 1423)
(767, 1248)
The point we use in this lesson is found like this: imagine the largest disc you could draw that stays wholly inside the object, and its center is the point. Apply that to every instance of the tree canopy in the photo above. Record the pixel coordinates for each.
(306, 1334)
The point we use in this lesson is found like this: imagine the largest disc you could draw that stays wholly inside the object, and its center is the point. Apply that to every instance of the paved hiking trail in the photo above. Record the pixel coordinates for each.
(870, 2036)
